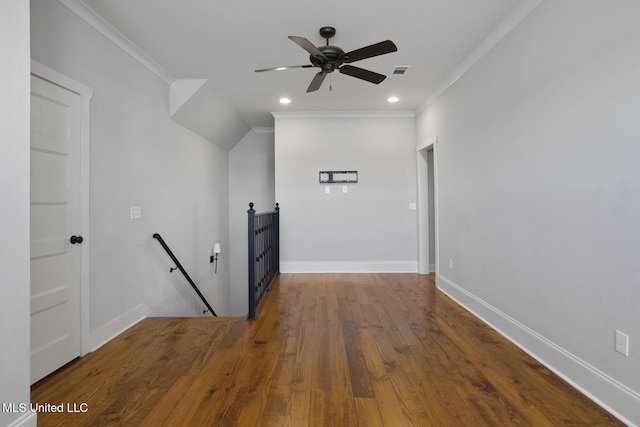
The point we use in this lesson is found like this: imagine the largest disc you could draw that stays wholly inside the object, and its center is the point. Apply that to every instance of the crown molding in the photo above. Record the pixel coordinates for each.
(507, 25)
(102, 26)
(342, 114)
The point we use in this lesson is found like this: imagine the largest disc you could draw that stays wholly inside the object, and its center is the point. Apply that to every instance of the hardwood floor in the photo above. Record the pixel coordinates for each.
(326, 350)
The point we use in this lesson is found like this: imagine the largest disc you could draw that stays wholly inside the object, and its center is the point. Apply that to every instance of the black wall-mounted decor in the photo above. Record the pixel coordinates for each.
(338, 177)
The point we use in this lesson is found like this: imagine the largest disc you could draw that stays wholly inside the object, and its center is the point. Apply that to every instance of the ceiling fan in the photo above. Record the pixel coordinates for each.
(330, 58)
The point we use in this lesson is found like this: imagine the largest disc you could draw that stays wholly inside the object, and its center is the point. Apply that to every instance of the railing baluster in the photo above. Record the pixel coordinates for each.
(251, 227)
(263, 235)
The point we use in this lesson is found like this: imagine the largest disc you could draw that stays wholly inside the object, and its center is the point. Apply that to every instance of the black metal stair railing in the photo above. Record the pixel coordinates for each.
(184, 273)
(263, 254)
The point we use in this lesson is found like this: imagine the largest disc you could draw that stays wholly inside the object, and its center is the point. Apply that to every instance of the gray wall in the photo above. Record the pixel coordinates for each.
(539, 190)
(140, 157)
(14, 223)
(369, 228)
(251, 179)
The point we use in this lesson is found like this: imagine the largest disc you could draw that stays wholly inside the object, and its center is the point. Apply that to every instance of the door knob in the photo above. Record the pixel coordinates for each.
(76, 239)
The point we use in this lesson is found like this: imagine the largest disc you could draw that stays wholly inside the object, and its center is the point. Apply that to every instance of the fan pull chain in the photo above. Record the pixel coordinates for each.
(330, 83)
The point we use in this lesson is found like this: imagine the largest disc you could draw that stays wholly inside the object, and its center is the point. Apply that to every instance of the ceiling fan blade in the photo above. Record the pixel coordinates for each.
(377, 49)
(286, 67)
(363, 74)
(316, 82)
(308, 46)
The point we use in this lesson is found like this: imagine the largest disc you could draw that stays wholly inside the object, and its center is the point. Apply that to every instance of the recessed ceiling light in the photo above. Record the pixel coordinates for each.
(393, 99)
(285, 101)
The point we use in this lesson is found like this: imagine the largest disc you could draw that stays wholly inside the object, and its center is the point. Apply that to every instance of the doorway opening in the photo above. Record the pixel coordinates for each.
(427, 212)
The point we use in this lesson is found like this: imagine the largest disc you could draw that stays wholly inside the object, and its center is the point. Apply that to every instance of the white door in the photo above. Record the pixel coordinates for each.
(55, 217)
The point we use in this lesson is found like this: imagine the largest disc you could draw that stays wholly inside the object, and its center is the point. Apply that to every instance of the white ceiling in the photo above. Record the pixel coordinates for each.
(224, 41)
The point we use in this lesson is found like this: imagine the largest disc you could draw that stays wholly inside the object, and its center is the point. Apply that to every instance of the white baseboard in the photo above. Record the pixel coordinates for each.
(115, 327)
(28, 419)
(349, 267)
(613, 396)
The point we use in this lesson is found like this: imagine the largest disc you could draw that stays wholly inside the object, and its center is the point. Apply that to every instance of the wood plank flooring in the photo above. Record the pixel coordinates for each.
(326, 350)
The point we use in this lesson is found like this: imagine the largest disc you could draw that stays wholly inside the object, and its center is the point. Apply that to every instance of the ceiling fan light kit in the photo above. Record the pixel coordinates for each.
(329, 58)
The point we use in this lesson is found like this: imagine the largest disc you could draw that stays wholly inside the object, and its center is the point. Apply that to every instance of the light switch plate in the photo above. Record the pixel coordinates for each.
(136, 212)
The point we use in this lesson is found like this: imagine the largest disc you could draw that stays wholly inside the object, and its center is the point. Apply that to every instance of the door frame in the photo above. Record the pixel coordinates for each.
(86, 93)
(423, 204)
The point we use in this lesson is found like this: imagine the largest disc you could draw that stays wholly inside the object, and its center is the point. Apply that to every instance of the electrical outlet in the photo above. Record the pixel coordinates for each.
(344, 189)
(451, 263)
(622, 343)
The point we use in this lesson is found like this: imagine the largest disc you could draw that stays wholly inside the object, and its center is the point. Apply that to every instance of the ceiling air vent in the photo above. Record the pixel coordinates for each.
(400, 70)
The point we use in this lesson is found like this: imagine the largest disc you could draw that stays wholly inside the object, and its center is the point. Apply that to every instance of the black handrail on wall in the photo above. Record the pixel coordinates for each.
(186, 276)
(264, 254)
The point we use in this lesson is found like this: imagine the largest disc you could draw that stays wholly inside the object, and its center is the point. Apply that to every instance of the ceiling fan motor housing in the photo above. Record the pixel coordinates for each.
(334, 58)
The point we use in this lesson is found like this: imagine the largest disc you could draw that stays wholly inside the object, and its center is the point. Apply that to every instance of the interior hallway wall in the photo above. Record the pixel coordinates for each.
(370, 227)
(140, 157)
(14, 215)
(539, 191)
